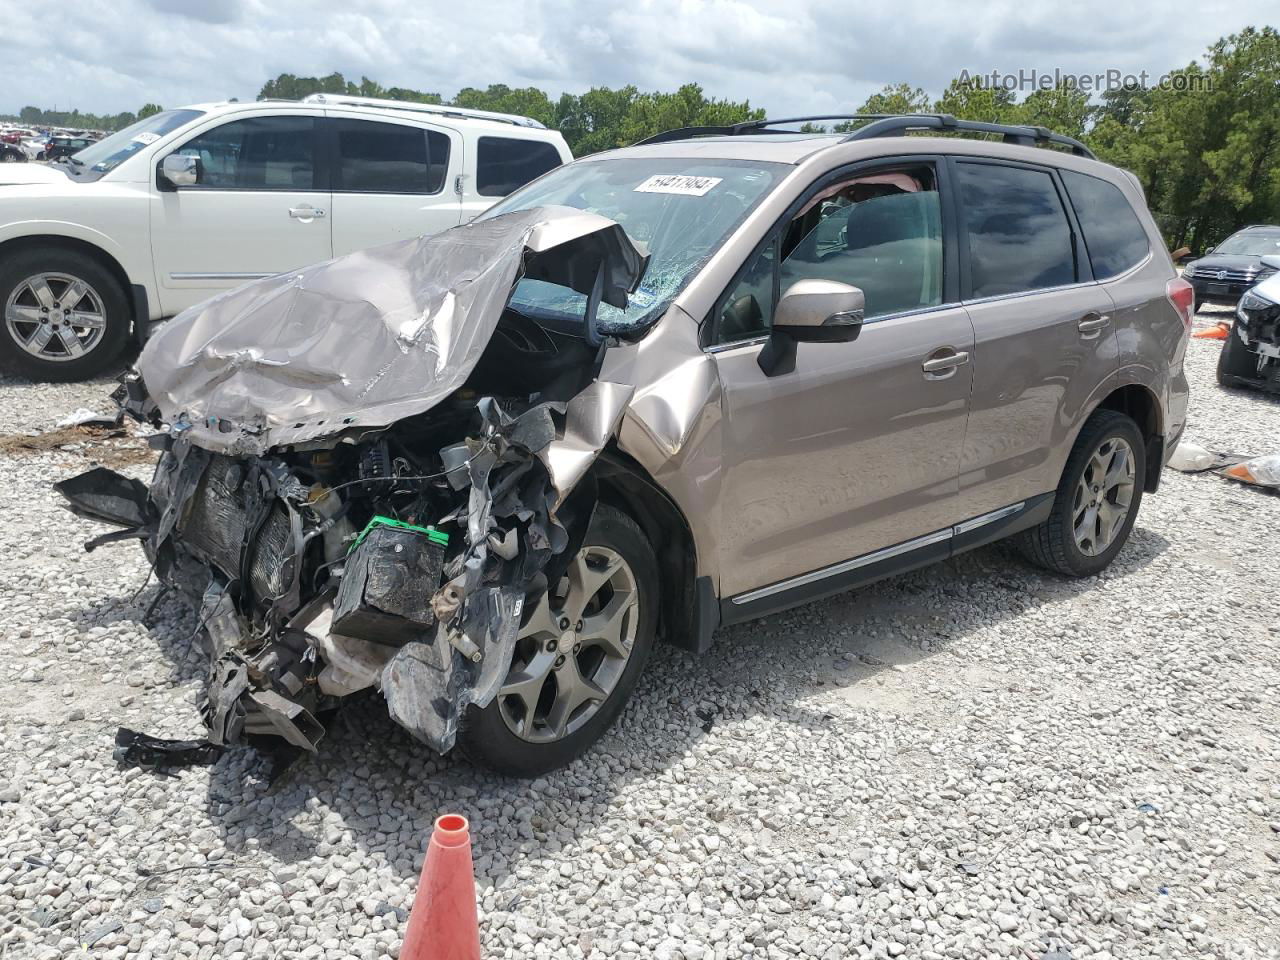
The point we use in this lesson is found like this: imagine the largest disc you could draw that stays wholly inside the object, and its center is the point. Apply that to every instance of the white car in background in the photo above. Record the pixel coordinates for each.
(188, 203)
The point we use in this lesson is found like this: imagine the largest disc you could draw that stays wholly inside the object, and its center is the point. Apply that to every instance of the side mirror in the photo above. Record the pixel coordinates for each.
(1271, 261)
(181, 170)
(1209, 250)
(811, 311)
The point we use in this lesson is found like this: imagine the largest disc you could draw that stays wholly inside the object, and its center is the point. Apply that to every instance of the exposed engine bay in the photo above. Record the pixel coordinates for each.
(364, 490)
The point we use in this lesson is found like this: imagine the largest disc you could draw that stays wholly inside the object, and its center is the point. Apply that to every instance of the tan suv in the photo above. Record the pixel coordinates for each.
(658, 390)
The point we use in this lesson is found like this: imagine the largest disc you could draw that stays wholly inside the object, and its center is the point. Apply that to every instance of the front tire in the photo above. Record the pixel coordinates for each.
(65, 316)
(581, 651)
(1097, 499)
(1235, 360)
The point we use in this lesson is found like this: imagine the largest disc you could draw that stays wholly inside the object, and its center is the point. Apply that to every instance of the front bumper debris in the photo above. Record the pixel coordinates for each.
(297, 610)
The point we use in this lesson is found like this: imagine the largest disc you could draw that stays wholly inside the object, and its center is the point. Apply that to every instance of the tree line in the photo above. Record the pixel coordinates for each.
(1205, 142)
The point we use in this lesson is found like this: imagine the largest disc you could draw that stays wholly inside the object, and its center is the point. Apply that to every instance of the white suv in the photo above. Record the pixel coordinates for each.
(187, 203)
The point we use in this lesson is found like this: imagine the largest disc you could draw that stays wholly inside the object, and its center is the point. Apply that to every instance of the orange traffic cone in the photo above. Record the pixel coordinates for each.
(1219, 331)
(442, 924)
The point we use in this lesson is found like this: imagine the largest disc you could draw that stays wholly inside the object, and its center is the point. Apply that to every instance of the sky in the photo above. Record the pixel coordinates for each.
(792, 57)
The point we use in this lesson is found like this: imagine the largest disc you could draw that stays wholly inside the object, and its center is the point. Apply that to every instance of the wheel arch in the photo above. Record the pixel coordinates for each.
(1141, 406)
(689, 609)
(16, 245)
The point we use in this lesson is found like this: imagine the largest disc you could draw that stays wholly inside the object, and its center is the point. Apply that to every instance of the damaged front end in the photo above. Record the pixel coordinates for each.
(1255, 360)
(365, 472)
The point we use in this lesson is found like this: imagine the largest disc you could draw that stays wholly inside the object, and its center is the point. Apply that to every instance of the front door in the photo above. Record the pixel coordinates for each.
(858, 448)
(259, 209)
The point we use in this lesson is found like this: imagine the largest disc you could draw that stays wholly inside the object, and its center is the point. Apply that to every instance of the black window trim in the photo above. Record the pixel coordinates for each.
(1141, 261)
(319, 158)
(1083, 269)
(332, 163)
(709, 328)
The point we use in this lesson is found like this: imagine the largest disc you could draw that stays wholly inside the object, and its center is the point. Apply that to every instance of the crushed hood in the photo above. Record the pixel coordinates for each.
(370, 338)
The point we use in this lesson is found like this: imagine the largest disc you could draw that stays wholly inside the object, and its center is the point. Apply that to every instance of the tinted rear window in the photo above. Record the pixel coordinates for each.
(504, 165)
(1112, 232)
(390, 157)
(1019, 236)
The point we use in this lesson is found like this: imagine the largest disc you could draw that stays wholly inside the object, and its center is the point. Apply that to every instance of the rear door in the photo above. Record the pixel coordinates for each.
(392, 179)
(857, 449)
(1045, 347)
(260, 208)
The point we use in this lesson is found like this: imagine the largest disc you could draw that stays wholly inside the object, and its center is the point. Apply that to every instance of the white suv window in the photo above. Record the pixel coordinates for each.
(505, 164)
(257, 153)
(389, 157)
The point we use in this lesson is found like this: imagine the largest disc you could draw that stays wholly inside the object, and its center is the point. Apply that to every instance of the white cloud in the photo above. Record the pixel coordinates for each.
(803, 56)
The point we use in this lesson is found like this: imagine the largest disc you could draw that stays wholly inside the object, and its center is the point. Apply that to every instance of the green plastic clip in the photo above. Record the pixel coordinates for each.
(438, 537)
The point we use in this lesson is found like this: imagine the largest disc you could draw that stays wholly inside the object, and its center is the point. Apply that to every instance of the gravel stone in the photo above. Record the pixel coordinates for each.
(972, 760)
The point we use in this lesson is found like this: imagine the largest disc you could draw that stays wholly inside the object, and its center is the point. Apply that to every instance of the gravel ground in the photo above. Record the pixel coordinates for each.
(973, 760)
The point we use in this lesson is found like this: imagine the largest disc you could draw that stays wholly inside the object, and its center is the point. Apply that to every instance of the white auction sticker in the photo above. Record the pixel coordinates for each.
(146, 137)
(678, 183)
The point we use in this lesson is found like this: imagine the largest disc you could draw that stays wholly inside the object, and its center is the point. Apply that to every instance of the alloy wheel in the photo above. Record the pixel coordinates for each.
(55, 316)
(1103, 496)
(573, 648)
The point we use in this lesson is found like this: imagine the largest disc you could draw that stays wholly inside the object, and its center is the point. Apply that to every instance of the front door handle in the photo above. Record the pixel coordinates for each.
(943, 362)
(305, 212)
(1091, 324)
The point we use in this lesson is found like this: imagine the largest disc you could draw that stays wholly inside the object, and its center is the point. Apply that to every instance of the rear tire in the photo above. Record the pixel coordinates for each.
(1083, 533)
(1235, 360)
(31, 277)
(490, 738)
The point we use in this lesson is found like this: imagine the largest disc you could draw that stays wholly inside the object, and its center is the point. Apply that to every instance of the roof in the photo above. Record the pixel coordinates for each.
(795, 148)
(447, 118)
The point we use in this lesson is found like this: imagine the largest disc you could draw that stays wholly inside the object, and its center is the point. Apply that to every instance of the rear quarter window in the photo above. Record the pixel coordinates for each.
(1113, 234)
(504, 164)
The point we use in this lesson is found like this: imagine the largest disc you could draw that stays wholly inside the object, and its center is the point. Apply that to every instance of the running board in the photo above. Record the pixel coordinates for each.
(887, 562)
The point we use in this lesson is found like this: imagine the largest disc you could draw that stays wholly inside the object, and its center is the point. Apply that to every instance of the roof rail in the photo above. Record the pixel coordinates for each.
(1027, 136)
(412, 106)
(889, 125)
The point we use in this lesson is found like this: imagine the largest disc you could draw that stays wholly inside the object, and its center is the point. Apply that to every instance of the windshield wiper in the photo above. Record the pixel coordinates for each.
(78, 163)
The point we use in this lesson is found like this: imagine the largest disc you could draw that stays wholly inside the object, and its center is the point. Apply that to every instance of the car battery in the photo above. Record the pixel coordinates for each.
(392, 571)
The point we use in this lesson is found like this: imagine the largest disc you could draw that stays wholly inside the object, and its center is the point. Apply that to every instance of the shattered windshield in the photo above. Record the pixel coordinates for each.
(682, 210)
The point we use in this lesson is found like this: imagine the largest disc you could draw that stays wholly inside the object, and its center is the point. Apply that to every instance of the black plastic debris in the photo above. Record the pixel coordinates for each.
(101, 932)
(385, 594)
(103, 494)
(139, 749)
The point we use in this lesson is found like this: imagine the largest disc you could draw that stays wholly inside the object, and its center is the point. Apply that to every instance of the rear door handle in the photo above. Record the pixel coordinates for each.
(942, 364)
(305, 212)
(1091, 324)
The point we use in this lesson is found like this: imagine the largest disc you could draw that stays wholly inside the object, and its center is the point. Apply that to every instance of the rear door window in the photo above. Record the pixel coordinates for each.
(389, 157)
(504, 164)
(1017, 230)
(1113, 234)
